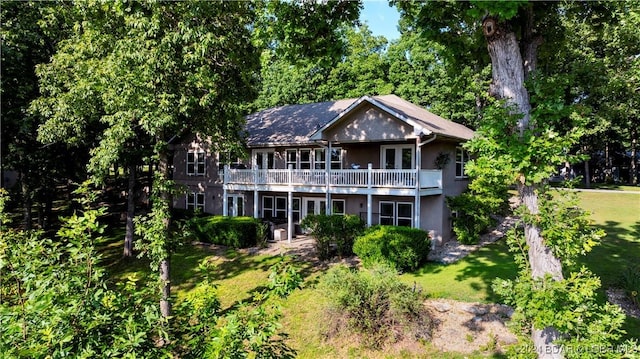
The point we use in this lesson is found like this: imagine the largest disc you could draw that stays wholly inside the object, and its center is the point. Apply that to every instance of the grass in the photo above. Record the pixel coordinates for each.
(240, 274)
(619, 215)
(466, 280)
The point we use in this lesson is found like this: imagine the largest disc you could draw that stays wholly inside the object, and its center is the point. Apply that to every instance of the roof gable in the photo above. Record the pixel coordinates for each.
(307, 123)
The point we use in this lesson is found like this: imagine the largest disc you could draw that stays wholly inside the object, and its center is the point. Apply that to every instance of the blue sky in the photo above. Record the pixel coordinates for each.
(381, 18)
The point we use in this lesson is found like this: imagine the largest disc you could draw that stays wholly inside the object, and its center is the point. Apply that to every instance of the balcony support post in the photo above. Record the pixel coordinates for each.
(369, 196)
(255, 193)
(225, 176)
(417, 212)
(290, 205)
(327, 159)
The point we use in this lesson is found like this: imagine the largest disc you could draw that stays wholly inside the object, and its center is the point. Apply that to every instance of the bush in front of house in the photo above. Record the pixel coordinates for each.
(333, 232)
(236, 232)
(374, 304)
(403, 248)
(473, 215)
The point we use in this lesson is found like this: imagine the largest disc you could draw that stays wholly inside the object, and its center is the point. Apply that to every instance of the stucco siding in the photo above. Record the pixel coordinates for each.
(369, 124)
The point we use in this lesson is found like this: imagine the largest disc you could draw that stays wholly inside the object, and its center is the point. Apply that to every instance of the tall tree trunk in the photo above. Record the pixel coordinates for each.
(131, 211)
(27, 203)
(508, 75)
(165, 197)
(633, 171)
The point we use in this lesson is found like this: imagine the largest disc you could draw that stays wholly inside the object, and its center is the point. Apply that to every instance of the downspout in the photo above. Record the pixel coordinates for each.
(418, 212)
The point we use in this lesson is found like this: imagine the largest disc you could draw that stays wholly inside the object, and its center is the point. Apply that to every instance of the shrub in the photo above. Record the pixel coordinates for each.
(376, 305)
(630, 282)
(333, 231)
(236, 232)
(284, 279)
(403, 248)
(474, 215)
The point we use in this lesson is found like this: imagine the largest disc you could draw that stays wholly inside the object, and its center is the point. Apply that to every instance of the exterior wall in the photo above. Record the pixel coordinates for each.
(451, 185)
(209, 183)
(369, 124)
(435, 216)
(435, 212)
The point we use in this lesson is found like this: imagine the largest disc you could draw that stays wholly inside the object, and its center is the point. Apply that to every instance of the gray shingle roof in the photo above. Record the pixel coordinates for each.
(295, 124)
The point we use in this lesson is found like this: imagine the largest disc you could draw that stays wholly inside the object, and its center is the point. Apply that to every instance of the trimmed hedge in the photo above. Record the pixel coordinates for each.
(403, 248)
(236, 232)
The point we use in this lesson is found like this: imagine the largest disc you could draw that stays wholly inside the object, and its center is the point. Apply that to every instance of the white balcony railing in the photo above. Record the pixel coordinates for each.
(360, 178)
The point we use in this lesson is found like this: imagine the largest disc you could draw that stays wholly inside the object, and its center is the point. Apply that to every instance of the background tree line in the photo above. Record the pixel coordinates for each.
(90, 87)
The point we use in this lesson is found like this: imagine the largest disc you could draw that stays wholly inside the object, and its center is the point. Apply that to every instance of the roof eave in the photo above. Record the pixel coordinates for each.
(418, 130)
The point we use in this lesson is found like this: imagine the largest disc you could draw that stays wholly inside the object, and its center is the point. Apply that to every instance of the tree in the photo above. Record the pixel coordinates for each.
(362, 70)
(424, 73)
(150, 71)
(526, 141)
(40, 168)
(146, 72)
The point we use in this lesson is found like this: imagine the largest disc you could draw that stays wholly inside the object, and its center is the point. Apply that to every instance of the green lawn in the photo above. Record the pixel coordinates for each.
(619, 215)
(468, 279)
(240, 274)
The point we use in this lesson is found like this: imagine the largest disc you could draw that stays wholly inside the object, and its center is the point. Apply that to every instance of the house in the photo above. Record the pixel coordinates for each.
(381, 158)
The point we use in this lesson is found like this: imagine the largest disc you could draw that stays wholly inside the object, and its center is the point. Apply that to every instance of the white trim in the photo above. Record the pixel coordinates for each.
(235, 200)
(277, 209)
(395, 216)
(196, 162)
(192, 201)
(418, 130)
(464, 158)
(398, 156)
(344, 206)
(254, 158)
(408, 219)
(272, 208)
(392, 216)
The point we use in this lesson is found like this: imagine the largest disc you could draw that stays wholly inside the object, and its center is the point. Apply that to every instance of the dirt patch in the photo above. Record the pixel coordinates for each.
(470, 327)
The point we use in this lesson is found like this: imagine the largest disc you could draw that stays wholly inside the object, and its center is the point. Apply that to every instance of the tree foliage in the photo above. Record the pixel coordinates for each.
(56, 301)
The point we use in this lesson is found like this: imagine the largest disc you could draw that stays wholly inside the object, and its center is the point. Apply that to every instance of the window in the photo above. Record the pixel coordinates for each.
(319, 160)
(397, 157)
(387, 213)
(296, 210)
(267, 207)
(305, 159)
(195, 163)
(264, 160)
(337, 206)
(405, 214)
(195, 201)
(292, 159)
(462, 157)
(336, 158)
(281, 207)
(235, 205)
(396, 213)
(232, 159)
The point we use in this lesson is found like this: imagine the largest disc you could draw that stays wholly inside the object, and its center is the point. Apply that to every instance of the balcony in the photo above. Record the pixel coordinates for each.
(345, 181)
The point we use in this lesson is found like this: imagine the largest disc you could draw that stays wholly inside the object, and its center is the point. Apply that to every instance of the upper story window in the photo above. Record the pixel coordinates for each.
(462, 157)
(305, 159)
(232, 159)
(292, 159)
(397, 157)
(196, 165)
(336, 158)
(264, 160)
